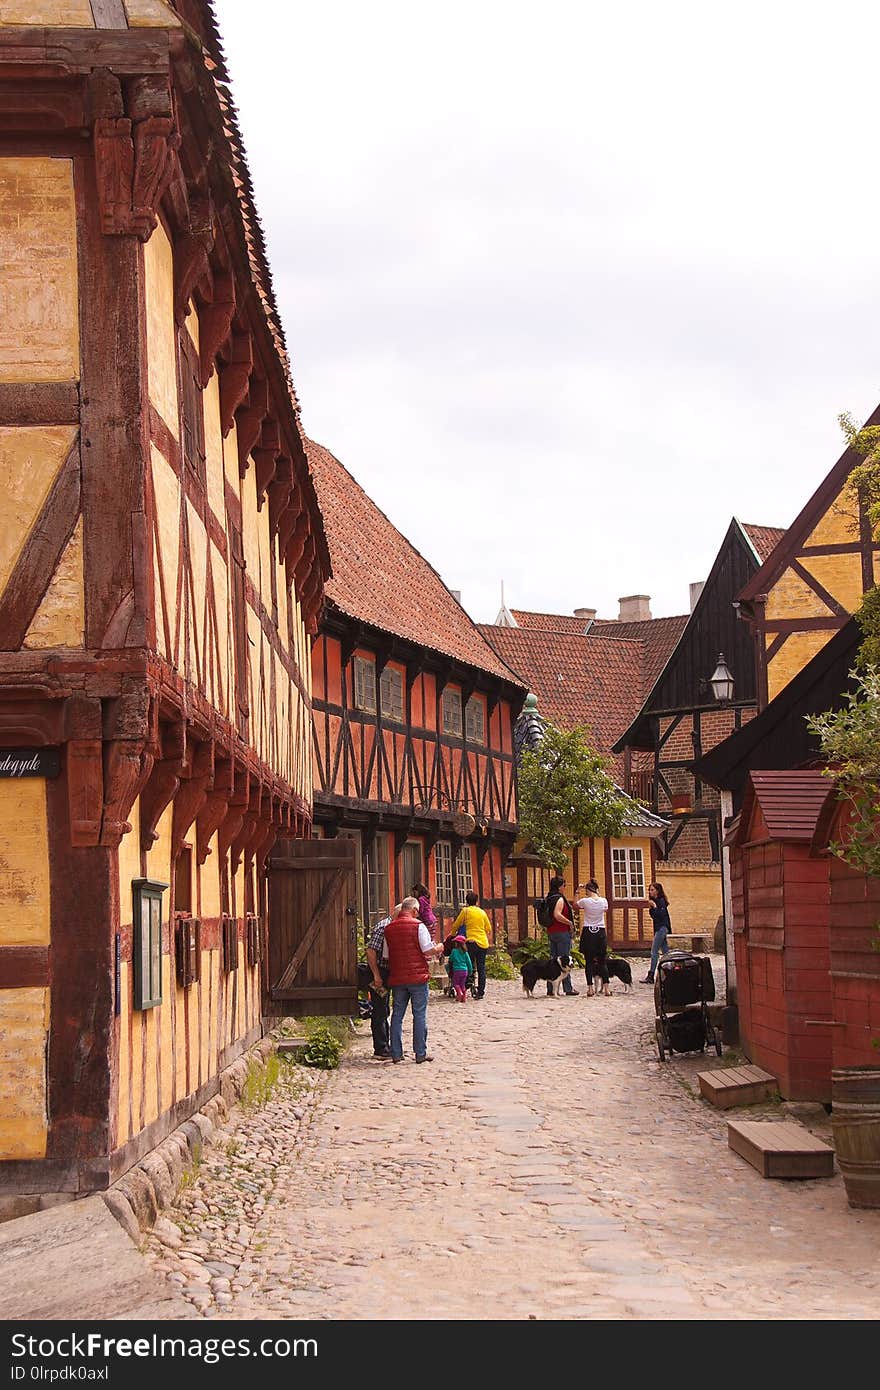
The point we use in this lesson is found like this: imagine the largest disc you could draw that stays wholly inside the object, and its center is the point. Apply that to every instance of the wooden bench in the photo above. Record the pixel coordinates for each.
(736, 1086)
(780, 1149)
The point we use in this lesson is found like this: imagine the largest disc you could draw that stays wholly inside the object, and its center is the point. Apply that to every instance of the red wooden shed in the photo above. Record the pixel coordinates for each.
(781, 907)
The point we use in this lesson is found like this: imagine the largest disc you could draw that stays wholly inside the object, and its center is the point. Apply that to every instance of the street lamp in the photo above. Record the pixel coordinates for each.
(721, 681)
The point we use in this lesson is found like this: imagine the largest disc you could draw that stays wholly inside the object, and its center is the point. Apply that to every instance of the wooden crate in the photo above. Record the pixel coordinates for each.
(780, 1149)
(736, 1086)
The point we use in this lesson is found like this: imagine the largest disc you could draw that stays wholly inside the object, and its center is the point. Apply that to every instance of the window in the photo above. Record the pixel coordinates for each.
(475, 720)
(443, 861)
(451, 711)
(629, 873)
(229, 942)
(378, 899)
(412, 865)
(187, 950)
(147, 942)
(365, 684)
(391, 694)
(464, 878)
(192, 414)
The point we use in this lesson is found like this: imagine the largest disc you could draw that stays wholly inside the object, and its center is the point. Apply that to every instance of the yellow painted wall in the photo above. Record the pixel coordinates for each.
(791, 597)
(161, 335)
(198, 547)
(166, 488)
(60, 619)
(24, 863)
(24, 1022)
(30, 459)
(695, 900)
(792, 657)
(39, 317)
(215, 478)
(841, 575)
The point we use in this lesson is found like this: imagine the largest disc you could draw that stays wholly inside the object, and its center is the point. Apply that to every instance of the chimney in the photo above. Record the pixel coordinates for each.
(634, 608)
(696, 590)
(588, 614)
(456, 594)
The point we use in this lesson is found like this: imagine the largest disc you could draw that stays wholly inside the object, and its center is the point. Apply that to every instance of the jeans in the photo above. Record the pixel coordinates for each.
(417, 995)
(658, 946)
(379, 1023)
(560, 945)
(478, 956)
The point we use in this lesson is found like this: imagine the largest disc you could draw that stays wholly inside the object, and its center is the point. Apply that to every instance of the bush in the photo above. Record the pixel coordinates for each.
(323, 1048)
(538, 948)
(499, 966)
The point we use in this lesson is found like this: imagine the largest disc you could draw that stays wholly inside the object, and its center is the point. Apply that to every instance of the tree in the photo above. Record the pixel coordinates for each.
(565, 796)
(850, 743)
(863, 490)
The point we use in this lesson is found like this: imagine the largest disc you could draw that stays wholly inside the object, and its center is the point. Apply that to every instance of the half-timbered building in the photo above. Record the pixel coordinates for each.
(413, 714)
(162, 560)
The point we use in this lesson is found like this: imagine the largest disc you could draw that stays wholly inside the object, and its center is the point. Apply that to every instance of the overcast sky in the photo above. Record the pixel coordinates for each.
(568, 285)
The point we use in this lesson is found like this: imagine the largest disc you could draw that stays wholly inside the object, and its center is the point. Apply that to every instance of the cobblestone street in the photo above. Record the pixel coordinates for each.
(545, 1164)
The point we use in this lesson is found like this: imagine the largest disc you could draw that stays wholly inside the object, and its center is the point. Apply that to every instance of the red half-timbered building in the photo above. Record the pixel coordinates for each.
(162, 559)
(413, 717)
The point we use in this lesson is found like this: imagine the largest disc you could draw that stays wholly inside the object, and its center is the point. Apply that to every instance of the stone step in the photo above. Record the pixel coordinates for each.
(736, 1086)
(780, 1149)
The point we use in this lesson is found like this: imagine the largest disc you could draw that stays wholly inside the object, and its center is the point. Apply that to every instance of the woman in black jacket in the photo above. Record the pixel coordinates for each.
(659, 911)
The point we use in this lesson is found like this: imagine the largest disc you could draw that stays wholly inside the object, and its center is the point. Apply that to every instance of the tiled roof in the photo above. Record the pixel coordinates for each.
(764, 538)
(595, 681)
(790, 803)
(549, 622)
(380, 579)
(659, 636)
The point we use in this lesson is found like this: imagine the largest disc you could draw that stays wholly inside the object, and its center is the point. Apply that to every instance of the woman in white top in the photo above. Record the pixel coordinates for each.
(594, 941)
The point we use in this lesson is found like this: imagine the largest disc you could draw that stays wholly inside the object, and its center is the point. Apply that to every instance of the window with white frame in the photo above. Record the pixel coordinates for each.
(365, 684)
(443, 865)
(628, 869)
(451, 711)
(464, 876)
(475, 720)
(391, 694)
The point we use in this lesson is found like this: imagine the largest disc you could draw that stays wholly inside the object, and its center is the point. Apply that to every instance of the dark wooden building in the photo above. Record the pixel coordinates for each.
(413, 715)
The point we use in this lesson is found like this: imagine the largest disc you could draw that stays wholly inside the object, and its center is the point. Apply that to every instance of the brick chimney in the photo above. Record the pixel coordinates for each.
(634, 608)
(588, 614)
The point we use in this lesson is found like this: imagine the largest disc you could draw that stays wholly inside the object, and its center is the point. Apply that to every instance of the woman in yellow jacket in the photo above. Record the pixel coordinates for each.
(475, 924)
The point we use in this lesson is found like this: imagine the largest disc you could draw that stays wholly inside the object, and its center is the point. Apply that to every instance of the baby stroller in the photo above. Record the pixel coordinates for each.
(684, 987)
(449, 991)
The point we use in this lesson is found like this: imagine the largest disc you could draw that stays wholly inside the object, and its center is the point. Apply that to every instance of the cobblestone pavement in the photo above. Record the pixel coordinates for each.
(545, 1164)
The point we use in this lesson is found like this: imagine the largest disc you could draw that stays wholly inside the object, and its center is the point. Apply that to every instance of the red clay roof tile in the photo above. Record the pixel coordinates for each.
(764, 538)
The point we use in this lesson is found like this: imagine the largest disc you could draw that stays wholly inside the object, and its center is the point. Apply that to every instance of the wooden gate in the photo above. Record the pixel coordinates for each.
(312, 957)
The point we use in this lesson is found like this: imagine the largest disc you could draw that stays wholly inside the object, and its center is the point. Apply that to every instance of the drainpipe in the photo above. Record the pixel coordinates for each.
(727, 902)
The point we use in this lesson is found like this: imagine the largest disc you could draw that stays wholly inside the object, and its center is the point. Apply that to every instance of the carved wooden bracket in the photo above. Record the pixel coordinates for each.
(215, 323)
(197, 780)
(127, 768)
(191, 253)
(272, 830)
(251, 829)
(134, 154)
(302, 570)
(249, 419)
(210, 816)
(265, 456)
(163, 782)
(235, 813)
(234, 377)
(85, 790)
(293, 510)
(293, 551)
(279, 491)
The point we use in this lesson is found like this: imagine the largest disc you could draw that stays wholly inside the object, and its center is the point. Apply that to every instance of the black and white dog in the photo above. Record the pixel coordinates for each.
(553, 971)
(620, 969)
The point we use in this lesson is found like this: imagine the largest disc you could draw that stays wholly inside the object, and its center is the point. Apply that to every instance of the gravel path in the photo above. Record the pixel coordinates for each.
(545, 1164)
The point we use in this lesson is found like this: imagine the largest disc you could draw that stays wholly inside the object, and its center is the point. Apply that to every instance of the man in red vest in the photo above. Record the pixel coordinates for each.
(408, 948)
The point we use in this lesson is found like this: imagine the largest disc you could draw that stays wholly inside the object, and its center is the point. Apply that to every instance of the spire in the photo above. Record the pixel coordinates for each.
(505, 618)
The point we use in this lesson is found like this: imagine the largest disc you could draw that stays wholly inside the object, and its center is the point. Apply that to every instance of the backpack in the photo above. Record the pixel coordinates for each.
(544, 910)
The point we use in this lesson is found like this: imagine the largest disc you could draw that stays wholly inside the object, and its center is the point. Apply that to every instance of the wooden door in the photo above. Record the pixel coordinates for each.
(312, 958)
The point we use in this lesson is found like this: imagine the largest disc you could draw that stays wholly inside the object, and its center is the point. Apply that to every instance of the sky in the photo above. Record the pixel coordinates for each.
(566, 286)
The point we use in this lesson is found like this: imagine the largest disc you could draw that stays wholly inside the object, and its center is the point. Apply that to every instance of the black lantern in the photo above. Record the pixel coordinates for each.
(721, 681)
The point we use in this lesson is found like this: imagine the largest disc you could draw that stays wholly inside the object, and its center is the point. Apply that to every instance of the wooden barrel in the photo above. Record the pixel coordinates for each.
(855, 1119)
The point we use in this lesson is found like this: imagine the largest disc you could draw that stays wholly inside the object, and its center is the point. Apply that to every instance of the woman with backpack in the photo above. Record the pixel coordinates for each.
(659, 911)
(558, 914)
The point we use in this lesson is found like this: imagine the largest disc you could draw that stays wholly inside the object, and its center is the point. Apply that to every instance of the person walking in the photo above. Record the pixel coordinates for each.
(378, 988)
(427, 915)
(460, 965)
(559, 931)
(594, 938)
(408, 948)
(477, 929)
(659, 911)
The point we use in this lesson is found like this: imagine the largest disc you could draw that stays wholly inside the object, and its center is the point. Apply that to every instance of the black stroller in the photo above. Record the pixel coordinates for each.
(684, 987)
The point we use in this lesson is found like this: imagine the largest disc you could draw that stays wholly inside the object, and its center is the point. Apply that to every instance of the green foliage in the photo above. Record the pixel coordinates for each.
(565, 796)
(538, 948)
(863, 491)
(323, 1048)
(260, 1082)
(850, 743)
(499, 966)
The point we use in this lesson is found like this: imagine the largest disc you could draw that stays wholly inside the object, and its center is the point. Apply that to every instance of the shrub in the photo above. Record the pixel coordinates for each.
(538, 948)
(499, 966)
(260, 1082)
(323, 1048)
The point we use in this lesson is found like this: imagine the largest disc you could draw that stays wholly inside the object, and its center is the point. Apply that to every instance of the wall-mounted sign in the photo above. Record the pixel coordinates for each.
(29, 762)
